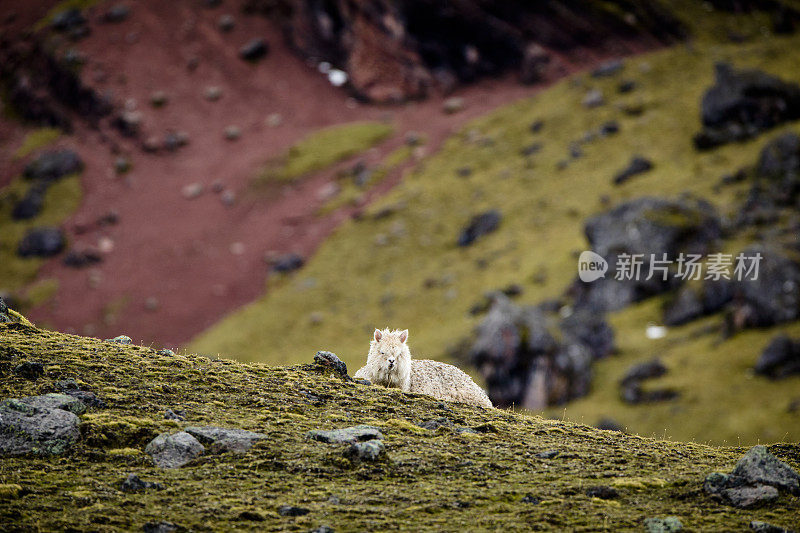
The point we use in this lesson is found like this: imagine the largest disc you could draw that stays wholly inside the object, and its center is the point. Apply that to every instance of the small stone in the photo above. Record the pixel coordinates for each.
(366, 451)
(117, 13)
(330, 360)
(436, 423)
(166, 351)
(152, 144)
(322, 529)
(174, 451)
(213, 93)
(530, 498)
(626, 86)
(161, 527)
(603, 492)
(531, 149)
(454, 104)
(290, 510)
(228, 197)
(536, 126)
(158, 99)
(132, 483)
(232, 133)
(224, 439)
(288, 263)
(638, 165)
(609, 128)
(122, 165)
(41, 242)
(609, 68)
(122, 339)
(479, 226)
(274, 120)
(669, 524)
(151, 303)
(254, 50)
(547, 454)
(192, 191)
(226, 23)
(31, 370)
(764, 527)
(594, 98)
(348, 435)
(169, 414)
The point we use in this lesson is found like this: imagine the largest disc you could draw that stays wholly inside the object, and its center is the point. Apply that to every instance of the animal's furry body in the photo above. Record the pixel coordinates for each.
(389, 363)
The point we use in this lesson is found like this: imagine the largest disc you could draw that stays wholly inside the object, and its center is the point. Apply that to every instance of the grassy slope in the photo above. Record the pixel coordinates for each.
(358, 284)
(432, 480)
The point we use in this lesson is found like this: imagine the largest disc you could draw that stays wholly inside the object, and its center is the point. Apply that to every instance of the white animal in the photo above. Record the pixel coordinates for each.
(389, 363)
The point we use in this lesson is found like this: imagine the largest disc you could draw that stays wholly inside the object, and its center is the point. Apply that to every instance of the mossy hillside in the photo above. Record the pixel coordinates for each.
(62, 198)
(430, 480)
(421, 280)
(323, 148)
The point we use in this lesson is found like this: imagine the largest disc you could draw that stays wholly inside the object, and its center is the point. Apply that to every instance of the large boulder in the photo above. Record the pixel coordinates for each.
(648, 227)
(41, 242)
(781, 358)
(743, 103)
(39, 425)
(776, 182)
(224, 439)
(529, 356)
(174, 451)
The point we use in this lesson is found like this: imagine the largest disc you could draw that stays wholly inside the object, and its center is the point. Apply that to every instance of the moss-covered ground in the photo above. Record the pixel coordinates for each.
(37, 139)
(405, 270)
(323, 148)
(430, 480)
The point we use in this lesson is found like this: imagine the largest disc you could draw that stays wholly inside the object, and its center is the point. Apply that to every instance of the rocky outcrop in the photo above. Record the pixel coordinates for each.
(43, 425)
(394, 51)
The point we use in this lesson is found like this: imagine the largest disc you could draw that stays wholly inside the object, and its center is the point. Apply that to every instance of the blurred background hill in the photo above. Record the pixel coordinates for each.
(263, 179)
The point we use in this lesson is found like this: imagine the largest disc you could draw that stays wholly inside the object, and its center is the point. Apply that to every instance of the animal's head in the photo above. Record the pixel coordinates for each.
(388, 350)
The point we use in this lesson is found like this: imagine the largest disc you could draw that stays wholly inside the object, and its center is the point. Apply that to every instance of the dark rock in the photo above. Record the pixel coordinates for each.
(631, 385)
(547, 454)
(30, 205)
(370, 450)
(82, 257)
(638, 165)
(764, 527)
(464, 172)
(531, 149)
(288, 263)
(254, 50)
(604, 492)
(31, 370)
(330, 360)
(781, 358)
(41, 242)
(535, 63)
(591, 330)
(530, 498)
(225, 440)
(669, 524)
(174, 451)
(479, 226)
(169, 414)
(609, 424)
(743, 103)
(609, 68)
(291, 510)
(53, 165)
(116, 13)
(89, 399)
(43, 430)
(626, 86)
(536, 126)
(773, 297)
(688, 305)
(436, 423)
(346, 435)
(609, 128)
(132, 483)
(758, 466)
(651, 227)
(750, 496)
(68, 19)
(777, 179)
(226, 23)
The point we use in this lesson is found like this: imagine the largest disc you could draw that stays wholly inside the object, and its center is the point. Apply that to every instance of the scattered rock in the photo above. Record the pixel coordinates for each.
(370, 450)
(41, 242)
(159, 99)
(609, 128)
(536, 62)
(604, 492)
(174, 451)
(232, 133)
(122, 165)
(593, 98)
(626, 86)
(536, 126)
(764, 527)
(68, 20)
(31, 370)
(132, 483)
(213, 93)
(330, 360)
(610, 424)
(225, 440)
(228, 197)
(175, 139)
(192, 191)
(547, 454)
(161, 527)
(631, 385)
(479, 226)
(436, 423)
(4, 318)
(121, 339)
(322, 529)
(254, 50)
(53, 165)
(287, 263)
(30, 205)
(638, 165)
(689, 304)
(669, 524)
(531, 149)
(530, 498)
(116, 13)
(348, 435)
(41, 430)
(291, 510)
(82, 257)
(454, 104)
(169, 414)
(226, 23)
(128, 123)
(609, 68)
(781, 358)
(743, 103)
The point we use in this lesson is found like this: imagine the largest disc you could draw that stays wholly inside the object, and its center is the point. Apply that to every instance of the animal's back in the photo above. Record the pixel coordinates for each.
(445, 382)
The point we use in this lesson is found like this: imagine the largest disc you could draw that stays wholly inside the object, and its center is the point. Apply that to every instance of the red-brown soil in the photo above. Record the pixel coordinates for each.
(179, 251)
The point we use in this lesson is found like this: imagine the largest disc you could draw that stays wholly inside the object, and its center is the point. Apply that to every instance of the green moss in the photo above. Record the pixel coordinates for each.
(323, 148)
(429, 480)
(61, 200)
(9, 491)
(37, 139)
(405, 269)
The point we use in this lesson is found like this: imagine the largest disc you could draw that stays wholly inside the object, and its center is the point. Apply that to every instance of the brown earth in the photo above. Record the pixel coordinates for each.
(180, 252)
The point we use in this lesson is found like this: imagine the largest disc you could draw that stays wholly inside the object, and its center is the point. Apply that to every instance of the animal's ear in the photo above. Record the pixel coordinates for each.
(378, 335)
(404, 336)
